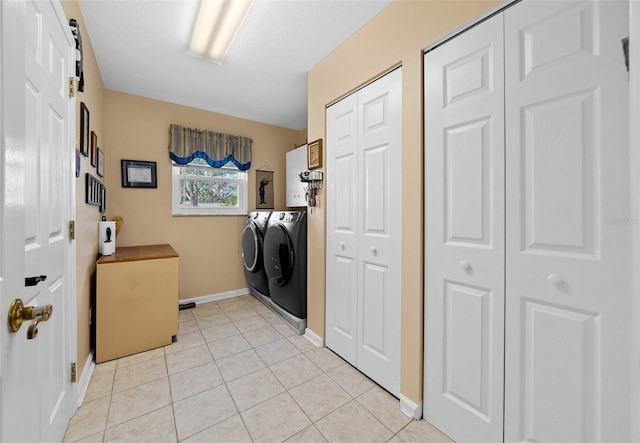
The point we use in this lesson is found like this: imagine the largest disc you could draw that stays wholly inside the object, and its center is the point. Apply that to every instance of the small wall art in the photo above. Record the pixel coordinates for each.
(264, 190)
(100, 162)
(84, 130)
(139, 174)
(94, 146)
(314, 154)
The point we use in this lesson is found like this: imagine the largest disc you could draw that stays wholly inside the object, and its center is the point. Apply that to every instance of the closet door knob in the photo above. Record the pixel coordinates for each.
(465, 265)
(555, 279)
(342, 245)
(374, 250)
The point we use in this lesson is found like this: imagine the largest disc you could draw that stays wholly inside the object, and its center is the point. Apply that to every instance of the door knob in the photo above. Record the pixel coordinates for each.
(374, 250)
(555, 279)
(465, 265)
(342, 245)
(19, 313)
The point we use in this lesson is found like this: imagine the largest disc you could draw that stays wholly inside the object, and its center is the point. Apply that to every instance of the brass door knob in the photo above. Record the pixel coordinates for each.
(19, 313)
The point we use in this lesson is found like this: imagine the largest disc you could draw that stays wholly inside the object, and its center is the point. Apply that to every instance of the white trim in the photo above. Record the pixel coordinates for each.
(313, 338)
(634, 206)
(215, 297)
(410, 409)
(470, 24)
(83, 384)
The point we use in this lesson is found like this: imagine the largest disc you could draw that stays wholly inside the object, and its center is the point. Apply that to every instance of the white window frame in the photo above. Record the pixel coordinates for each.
(176, 191)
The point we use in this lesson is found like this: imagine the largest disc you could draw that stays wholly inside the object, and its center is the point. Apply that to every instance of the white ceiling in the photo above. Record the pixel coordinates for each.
(141, 47)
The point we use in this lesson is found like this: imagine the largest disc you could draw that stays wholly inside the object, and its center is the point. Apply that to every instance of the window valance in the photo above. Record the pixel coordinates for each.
(187, 144)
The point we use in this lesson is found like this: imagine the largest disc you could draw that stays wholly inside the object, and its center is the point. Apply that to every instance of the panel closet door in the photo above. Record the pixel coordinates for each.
(363, 229)
(464, 234)
(566, 275)
(567, 286)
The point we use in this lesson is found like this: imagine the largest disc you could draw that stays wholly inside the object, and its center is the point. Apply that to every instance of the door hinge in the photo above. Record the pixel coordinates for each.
(72, 230)
(72, 89)
(74, 374)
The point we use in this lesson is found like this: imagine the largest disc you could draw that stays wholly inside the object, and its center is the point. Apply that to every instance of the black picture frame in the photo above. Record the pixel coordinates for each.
(103, 198)
(85, 138)
(138, 174)
(93, 191)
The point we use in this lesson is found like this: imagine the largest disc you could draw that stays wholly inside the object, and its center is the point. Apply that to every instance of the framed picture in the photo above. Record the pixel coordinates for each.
(139, 174)
(100, 162)
(314, 154)
(94, 146)
(84, 129)
(103, 198)
(93, 192)
(264, 189)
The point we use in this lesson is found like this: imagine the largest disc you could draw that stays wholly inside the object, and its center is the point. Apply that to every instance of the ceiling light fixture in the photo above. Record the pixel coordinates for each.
(216, 27)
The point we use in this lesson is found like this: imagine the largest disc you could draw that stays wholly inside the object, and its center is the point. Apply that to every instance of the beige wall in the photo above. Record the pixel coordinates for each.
(87, 216)
(209, 246)
(396, 36)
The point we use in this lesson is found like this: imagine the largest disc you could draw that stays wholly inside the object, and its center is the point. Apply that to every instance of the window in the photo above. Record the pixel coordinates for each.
(199, 189)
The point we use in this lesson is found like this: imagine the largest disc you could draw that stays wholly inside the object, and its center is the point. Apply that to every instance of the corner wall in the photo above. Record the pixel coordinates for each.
(395, 36)
(87, 216)
(209, 246)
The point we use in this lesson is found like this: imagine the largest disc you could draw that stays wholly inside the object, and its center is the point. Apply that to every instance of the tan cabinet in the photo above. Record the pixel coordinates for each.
(136, 300)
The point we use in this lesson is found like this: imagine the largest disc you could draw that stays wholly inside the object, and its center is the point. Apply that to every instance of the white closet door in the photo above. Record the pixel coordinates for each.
(464, 234)
(342, 228)
(567, 346)
(379, 214)
(363, 229)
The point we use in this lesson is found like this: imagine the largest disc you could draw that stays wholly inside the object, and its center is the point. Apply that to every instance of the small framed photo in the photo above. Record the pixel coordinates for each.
(139, 174)
(84, 130)
(94, 146)
(314, 154)
(100, 162)
(103, 198)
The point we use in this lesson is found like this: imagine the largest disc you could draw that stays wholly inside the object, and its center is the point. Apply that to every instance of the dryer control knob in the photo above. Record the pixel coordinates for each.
(282, 216)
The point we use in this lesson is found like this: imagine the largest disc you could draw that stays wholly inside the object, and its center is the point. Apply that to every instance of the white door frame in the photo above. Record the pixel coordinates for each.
(634, 146)
(634, 195)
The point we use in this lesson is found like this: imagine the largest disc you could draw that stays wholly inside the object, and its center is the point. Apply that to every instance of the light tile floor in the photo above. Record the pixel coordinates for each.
(238, 373)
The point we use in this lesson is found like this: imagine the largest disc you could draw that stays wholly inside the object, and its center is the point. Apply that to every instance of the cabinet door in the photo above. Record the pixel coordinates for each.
(296, 163)
(464, 238)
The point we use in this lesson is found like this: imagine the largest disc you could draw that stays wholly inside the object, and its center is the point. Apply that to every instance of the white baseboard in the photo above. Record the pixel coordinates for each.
(83, 384)
(313, 338)
(410, 409)
(215, 297)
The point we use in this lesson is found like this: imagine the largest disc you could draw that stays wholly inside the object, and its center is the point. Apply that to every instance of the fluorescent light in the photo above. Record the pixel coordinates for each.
(216, 27)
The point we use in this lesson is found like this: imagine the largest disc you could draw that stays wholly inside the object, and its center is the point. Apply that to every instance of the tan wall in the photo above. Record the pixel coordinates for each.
(209, 246)
(87, 216)
(395, 36)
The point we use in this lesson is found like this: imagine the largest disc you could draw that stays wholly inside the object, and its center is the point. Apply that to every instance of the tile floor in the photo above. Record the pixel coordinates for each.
(238, 373)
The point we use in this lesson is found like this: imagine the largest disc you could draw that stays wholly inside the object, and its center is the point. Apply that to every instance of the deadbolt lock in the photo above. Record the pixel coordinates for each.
(19, 313)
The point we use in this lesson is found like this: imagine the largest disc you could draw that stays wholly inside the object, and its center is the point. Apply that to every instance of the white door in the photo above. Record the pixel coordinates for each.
(37, 399)
(568, 232)
(464, 234)
(363, 229)
(379, 177)
(342, 228)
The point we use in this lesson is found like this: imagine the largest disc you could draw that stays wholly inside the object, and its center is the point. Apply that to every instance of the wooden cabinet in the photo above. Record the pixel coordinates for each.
(136, 300)
(296, 163)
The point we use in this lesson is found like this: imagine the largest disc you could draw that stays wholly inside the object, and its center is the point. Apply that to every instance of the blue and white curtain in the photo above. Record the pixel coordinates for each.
(187, 144)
